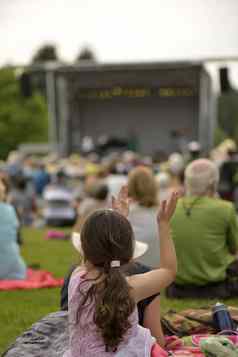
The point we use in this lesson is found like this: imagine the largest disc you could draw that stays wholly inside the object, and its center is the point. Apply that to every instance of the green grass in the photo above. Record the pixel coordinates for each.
(20, 309)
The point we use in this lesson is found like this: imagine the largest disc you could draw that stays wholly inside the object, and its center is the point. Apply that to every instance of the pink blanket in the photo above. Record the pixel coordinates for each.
(36, 279)
(186, 347)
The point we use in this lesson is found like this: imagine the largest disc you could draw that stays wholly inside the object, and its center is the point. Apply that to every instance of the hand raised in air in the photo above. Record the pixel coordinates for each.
(167, 208)
(121, 203)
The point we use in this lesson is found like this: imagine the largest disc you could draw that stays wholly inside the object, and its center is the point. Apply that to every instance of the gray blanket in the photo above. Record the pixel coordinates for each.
(46, 338)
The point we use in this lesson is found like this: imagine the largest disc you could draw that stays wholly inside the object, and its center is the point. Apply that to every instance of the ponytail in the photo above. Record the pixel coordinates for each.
(114, 305)
(107, 242)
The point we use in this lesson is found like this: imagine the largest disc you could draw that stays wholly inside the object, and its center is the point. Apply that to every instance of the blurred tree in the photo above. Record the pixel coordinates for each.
(219, 136)
(45, 53)
(22, 119)
(228, 114)
(86, 55)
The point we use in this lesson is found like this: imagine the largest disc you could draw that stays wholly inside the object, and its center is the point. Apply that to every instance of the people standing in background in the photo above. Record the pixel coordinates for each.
(40, 178)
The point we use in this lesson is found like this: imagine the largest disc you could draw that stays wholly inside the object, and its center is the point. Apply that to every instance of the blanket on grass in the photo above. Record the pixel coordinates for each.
(57, 235)
(35, 279)
(49, 338)
(193, 321)
(46, 338)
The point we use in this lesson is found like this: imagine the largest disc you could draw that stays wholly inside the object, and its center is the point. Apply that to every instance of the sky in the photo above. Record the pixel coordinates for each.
(121, 30)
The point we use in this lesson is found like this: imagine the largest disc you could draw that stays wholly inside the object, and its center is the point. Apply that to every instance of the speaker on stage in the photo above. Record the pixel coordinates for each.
(224, 80)
(25, 85)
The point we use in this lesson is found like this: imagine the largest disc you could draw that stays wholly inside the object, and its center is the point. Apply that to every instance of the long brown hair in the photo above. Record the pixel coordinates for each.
(105, 236)
(142, 186)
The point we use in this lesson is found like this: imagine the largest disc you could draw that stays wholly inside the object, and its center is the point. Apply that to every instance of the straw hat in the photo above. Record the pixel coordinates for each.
(140, 248)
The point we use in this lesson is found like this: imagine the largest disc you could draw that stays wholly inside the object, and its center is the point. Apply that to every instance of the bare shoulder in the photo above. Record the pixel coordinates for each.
(78, 270)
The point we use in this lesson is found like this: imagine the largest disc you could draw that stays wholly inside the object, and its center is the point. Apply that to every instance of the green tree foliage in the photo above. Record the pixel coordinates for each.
(46, 53)
(219, 136)
(86, 54)
(22, 119)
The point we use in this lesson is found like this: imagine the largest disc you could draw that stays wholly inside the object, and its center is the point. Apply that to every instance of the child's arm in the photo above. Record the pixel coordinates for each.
(148, 284)
(152, 320)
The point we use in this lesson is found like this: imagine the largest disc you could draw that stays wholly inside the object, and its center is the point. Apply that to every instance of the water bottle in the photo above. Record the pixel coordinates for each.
(221, 318)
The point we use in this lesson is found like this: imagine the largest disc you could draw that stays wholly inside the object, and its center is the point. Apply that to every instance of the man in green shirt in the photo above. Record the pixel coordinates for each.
(205, 233)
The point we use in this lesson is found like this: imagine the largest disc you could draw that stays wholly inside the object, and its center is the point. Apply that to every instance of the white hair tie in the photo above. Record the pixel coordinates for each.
(115, 264)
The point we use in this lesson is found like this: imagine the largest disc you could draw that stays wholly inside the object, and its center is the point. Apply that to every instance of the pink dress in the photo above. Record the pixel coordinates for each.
(85, 341)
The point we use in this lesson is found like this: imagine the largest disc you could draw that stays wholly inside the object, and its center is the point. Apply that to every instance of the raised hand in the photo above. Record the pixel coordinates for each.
(167, 208)
(121, 203)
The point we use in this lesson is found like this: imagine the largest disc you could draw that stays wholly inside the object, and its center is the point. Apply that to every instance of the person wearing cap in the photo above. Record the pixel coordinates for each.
(205, 233)
(194, 150)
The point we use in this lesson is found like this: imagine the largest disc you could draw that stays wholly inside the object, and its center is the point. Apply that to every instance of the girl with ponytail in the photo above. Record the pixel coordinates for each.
(103, 319)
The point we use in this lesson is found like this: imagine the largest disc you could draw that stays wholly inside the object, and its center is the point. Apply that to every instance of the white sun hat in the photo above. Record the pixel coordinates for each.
(140, 248)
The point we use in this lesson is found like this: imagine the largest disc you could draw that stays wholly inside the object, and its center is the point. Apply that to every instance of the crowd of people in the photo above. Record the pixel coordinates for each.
(123, 208)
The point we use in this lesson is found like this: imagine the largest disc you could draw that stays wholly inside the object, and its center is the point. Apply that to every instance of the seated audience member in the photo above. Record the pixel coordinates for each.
(142, 189)
(22, 198)
(6, 198)
(113, 230)
(59, 209)
(148, 309)
(12, 266)
(164, 185)
(96, 198)
(228, 176)
(205, 234)
(114, 178)
(176, 171)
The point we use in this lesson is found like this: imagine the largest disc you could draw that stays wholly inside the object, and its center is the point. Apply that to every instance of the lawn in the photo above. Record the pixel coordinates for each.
(20, 309)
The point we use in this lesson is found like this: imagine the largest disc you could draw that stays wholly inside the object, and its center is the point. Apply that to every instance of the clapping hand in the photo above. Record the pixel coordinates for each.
(121, 203)
(167, 208)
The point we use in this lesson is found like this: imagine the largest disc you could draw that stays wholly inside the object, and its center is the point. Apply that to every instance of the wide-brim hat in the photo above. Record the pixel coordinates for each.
(140, 247)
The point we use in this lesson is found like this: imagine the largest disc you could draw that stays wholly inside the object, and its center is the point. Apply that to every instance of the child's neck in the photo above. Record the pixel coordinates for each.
(91, 271)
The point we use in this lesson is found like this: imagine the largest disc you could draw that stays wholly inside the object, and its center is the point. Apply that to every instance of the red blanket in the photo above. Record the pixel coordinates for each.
(36, 279)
